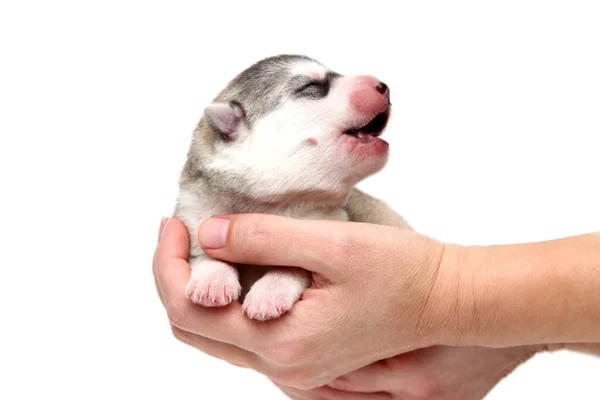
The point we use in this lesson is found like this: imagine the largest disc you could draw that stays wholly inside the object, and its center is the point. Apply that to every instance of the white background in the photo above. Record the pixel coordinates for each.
(493, 140)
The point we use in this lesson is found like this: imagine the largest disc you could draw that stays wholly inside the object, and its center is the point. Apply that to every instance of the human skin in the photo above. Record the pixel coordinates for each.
(528, 293)
(415, 288)
(438, 372)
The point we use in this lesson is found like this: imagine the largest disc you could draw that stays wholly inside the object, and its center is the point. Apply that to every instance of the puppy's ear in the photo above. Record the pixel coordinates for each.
(226, 118)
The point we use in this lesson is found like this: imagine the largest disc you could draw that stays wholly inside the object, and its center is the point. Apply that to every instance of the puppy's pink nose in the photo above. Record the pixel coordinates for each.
(383, 89)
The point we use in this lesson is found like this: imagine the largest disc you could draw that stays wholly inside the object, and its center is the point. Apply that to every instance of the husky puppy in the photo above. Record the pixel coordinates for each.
(286, 136)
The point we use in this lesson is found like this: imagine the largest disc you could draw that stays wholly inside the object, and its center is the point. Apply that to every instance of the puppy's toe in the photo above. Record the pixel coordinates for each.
(213, 285)
(270, 298)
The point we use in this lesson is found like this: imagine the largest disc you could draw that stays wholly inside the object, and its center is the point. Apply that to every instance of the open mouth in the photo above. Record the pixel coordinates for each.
(372, 128)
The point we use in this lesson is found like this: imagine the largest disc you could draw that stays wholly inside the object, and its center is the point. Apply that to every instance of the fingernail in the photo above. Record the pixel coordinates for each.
(212, 233)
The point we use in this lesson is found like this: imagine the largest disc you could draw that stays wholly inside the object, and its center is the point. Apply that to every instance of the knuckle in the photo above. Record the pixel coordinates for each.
(251, 235)
(343, 245)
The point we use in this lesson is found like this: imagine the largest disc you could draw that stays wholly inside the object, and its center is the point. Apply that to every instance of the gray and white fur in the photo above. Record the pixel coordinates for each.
(286, 136)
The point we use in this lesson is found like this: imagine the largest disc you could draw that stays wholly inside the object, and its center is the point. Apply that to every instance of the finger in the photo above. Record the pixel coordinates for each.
(223, 351)
(262, 239)
(372, 378)
(331, 393)
(174, 248)
(174, 245)
(160, 231)
(161, 227)
(158, 290)
(172, 272)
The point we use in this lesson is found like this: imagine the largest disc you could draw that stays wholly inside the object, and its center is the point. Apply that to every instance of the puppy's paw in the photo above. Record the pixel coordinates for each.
(213, 284)
(274, 294)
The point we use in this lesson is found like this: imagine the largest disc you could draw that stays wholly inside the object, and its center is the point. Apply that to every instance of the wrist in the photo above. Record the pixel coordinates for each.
(444, 322)
(522, 294)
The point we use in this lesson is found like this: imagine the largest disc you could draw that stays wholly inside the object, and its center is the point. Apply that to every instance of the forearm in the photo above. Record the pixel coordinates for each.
(531, 293)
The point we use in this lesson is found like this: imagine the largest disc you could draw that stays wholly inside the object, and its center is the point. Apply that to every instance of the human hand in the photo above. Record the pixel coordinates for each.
(438, 372)
(373, 291)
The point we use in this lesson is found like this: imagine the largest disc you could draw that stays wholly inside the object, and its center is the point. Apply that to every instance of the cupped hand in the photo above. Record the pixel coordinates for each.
(438, 372)
(374, 289)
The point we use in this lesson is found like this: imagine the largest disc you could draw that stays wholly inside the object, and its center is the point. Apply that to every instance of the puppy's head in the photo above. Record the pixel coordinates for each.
(288, 126)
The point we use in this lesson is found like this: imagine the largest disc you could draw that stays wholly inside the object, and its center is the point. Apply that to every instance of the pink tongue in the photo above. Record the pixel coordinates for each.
(365, 137)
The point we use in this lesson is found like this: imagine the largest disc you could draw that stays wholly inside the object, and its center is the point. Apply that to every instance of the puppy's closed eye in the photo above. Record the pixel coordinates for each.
(315, 89)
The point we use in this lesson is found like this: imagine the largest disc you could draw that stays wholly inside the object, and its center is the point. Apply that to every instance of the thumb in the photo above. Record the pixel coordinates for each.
(315, 245)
